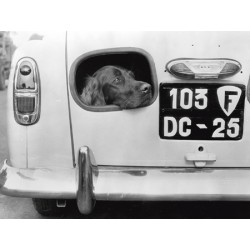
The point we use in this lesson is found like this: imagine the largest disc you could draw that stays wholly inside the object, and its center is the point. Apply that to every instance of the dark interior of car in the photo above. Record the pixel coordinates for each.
(136, 62)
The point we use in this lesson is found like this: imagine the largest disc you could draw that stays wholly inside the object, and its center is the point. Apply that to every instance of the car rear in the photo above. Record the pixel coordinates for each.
(190, 142)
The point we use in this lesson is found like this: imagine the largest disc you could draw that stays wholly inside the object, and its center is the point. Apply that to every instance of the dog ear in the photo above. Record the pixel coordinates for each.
(92, 93)
(108, 95)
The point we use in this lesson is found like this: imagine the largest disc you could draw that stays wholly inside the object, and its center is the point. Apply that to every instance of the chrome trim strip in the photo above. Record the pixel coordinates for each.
(36, 75)
(28, 118)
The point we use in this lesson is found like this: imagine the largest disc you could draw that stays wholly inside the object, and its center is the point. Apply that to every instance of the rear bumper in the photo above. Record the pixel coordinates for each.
(37, 183)
(89, 182)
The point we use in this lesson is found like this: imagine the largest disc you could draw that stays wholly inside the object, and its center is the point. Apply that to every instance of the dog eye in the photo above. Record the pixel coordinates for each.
(117, 80)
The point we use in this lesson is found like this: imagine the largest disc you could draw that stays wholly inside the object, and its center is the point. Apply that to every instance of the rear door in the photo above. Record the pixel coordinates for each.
(190, 123)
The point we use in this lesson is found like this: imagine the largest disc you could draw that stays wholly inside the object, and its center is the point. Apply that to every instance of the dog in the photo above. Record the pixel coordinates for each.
(113, 85)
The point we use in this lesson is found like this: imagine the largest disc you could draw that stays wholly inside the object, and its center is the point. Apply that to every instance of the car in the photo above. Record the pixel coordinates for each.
(190, 142)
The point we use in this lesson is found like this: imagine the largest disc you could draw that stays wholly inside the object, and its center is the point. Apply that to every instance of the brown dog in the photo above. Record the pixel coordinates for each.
(116, 85)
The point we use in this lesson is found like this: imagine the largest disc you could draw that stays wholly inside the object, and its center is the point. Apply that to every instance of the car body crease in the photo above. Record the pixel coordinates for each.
(67, 86)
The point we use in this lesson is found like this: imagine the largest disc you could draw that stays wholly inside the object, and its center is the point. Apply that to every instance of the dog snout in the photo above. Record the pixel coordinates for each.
(145, 88)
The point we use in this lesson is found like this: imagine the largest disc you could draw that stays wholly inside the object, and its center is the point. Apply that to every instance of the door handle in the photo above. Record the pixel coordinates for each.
(200, 158)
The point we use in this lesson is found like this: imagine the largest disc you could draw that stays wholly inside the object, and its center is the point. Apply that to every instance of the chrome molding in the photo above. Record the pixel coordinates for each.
(27, 118)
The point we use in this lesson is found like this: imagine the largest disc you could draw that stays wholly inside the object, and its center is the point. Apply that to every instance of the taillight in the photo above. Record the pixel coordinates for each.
(26, 92)
(203, 68)
(25, 104)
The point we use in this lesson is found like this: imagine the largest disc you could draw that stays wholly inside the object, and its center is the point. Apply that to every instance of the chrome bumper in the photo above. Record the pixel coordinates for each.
(89, 182)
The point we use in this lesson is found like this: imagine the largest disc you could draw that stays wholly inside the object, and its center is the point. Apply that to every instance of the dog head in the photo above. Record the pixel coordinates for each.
(115, 85)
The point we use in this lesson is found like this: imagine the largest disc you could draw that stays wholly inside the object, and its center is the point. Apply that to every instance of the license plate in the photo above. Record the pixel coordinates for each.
(201, 111)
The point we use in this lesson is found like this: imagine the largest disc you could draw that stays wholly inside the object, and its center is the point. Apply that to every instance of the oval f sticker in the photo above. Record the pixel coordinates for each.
(228, 97)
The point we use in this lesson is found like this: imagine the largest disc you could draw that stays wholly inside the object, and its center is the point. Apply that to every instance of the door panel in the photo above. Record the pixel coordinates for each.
(132, 137)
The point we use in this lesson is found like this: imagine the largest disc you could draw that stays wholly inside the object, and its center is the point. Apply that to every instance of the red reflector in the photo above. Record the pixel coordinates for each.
(25, 104)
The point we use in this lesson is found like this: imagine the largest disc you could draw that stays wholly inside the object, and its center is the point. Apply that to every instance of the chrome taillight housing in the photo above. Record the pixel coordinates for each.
(190, 68)
(26, 92)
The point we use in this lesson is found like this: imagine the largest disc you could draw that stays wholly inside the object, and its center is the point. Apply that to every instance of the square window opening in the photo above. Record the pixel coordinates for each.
(137, 61)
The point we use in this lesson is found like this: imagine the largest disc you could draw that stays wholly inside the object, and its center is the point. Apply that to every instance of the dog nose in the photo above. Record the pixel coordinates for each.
(145, 88)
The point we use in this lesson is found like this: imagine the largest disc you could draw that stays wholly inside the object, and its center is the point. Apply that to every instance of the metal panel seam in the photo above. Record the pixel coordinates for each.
(67, 87)
(27, 147)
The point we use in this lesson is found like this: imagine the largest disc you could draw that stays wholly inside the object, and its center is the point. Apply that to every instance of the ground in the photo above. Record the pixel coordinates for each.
(17, 208)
